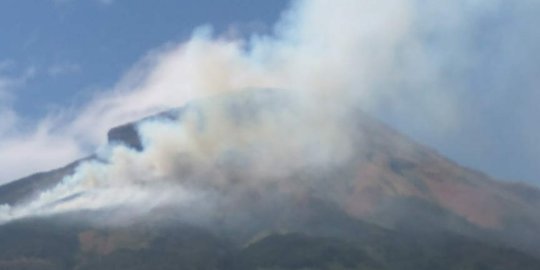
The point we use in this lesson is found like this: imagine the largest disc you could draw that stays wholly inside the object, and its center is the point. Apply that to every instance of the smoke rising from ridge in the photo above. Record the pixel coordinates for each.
(304, 53)
(377, 55)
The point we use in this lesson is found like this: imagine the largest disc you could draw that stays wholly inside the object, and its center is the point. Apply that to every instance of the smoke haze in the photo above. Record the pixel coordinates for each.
(404, 60)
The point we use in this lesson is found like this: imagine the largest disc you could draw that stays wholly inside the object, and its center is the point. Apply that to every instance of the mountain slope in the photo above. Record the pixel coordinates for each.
(23, 189)
(50, 244)
(391, 204)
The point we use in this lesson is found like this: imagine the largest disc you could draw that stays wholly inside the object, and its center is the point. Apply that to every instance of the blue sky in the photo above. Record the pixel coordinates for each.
(478, 59)
(71, 47)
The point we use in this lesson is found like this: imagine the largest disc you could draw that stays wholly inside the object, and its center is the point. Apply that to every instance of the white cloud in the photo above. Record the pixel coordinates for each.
(22, 150)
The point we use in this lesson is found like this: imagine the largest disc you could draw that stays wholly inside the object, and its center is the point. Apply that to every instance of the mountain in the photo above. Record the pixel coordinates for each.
(390, 204)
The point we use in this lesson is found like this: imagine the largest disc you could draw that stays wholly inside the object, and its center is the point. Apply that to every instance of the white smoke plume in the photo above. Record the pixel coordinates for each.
(331, 56)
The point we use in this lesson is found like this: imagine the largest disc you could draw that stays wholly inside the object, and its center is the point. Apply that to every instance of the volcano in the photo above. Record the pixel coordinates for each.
(378, 200)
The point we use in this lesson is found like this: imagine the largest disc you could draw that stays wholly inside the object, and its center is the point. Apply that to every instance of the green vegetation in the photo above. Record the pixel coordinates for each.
(41, 244)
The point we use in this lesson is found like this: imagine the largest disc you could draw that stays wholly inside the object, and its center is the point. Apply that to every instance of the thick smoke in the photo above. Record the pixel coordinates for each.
(217, 148)
(310, 51)
(332, 57)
